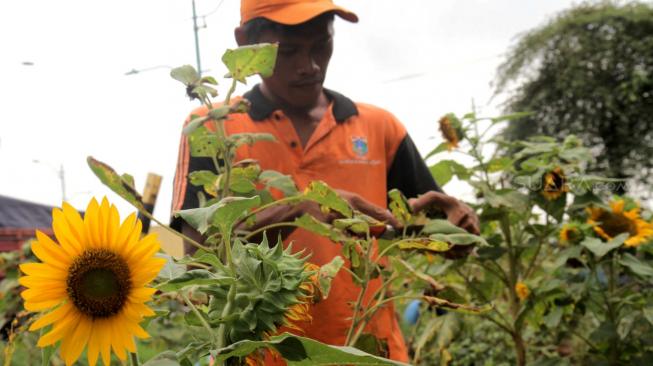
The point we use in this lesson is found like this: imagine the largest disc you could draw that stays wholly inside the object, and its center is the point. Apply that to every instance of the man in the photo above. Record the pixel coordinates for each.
(358, 149)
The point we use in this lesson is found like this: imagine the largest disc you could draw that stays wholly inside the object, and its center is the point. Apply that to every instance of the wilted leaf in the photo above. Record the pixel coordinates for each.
(425, 245)
(116, 183)
(399, 207)
(250, 60)
(438, 226)
(328, 199)
(327, 273)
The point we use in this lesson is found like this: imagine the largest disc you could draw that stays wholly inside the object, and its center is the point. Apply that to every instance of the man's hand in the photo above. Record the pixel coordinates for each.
(356, 202)
(457, 212)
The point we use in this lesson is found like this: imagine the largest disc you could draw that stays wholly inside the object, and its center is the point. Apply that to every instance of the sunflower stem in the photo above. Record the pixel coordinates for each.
(198, 315)
(222, 330)
(133, 357)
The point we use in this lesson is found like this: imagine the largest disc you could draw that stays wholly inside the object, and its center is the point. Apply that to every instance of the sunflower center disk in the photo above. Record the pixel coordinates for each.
(98, 283)
(615, 224)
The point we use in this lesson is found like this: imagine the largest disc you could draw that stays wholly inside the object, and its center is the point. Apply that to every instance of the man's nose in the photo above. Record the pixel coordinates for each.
(307, 65)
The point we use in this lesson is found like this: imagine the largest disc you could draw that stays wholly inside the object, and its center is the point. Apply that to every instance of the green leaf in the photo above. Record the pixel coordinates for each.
(198, 218)
(327, 273)
(185, 74)
(194, 124)
(601, 248)
(499, 164)
(194, 277)
(440, 148)
(204, 143)
(250, 60)
(507, 198)
(170, 269)
(231, 209)
(459, 239)
(116, 183)
(636, 266)
(238, 139)
(441, 172)
(648, 313)
(166, 358)
(301, 351)
(439, 226)
(276, 180)
(372, 345)
(311, 224)
(328, 199)
(46, 352)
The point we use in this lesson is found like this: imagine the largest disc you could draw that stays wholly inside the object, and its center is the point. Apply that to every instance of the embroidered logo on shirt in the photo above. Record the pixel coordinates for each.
(359, 145)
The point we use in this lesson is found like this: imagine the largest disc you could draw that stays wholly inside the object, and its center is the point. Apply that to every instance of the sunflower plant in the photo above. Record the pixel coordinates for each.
(567, 268)
(240, 291)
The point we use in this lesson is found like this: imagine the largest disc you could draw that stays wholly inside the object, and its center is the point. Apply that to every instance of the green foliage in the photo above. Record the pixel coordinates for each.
(577, 298)
(301, 351)
(589, 72)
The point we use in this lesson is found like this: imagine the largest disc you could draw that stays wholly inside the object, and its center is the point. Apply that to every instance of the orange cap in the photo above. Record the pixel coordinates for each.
(290, 12)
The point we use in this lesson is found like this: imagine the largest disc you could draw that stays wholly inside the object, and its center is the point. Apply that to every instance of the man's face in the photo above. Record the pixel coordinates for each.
(302, 61)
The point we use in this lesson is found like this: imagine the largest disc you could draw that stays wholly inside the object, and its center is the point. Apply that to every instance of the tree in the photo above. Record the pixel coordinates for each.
(589, 72)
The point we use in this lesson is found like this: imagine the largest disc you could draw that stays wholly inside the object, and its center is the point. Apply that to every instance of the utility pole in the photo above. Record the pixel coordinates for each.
(197, 41)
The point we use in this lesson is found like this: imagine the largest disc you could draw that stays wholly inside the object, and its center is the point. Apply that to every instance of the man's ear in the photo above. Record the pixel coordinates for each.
(241, 36)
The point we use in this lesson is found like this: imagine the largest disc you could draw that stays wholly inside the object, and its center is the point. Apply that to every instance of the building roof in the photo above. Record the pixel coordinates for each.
(15, 213)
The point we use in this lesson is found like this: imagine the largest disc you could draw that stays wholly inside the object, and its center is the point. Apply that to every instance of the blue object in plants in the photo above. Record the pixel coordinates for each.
(411, 314)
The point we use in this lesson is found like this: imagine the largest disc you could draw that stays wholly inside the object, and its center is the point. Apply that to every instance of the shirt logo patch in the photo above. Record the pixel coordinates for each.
(359, 145)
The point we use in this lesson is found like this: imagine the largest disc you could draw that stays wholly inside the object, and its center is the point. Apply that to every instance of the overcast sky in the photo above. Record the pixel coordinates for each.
(417, 58)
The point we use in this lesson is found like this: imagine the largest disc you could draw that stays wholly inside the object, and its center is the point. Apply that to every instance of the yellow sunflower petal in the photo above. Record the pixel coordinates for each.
(35, 282)
(91, 224)
(51, 317)
(124, 232)
(145, 275)
(113, 225)
(142, 294)
(145, 248)
(105, 340)
(60, 329)
(75, 222)
(50, 252)
(133, 239)
(79, 339)
(116, 339)
(93, 345)
(136, 330)
(44, 270)
(40, 295)
(103, 221)
(63, 234)
(40, 306)
(617, 206)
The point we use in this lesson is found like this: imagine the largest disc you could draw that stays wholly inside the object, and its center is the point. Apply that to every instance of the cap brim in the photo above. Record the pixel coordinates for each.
(298, 13)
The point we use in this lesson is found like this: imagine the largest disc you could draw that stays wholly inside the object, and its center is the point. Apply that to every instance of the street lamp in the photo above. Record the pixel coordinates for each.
(60, 174)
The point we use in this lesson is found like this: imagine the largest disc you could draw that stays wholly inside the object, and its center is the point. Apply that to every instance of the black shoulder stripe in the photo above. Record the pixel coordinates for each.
(408, 172)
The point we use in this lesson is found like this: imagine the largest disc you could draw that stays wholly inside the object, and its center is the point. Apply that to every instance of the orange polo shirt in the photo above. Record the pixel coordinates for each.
(356, 147)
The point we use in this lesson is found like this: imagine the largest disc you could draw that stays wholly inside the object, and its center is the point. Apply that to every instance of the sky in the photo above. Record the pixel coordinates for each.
(64, 94)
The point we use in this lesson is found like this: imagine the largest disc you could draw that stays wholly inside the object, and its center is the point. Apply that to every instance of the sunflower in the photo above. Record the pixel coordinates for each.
(570, 234)
(522, 291)
(449, 133)
(554, 184)
(609, 224)
(92, 282)
(295, 314)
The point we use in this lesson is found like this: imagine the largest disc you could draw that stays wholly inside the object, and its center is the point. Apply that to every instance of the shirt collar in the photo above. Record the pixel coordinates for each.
(261, 108)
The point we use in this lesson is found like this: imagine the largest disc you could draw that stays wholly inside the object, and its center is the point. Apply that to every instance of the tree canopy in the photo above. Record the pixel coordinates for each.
(589, 72)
